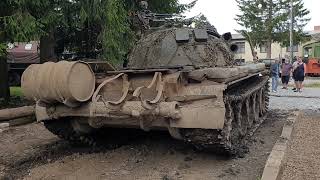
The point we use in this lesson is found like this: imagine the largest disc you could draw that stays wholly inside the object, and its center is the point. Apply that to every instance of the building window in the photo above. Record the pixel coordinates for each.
(263, 48)
(294, 48)
(241, 47)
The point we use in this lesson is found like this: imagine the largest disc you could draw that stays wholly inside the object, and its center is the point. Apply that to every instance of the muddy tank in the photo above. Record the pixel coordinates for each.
(181, 80)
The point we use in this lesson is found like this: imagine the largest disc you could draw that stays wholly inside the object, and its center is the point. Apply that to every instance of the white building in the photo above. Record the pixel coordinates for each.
(244, 52)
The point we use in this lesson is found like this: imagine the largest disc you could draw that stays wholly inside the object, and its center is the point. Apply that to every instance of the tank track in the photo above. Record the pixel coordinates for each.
(64, 130)
(97, 138)
(246, 104)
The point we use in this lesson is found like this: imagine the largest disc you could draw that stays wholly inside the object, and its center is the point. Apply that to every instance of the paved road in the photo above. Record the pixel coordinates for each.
(309, 98)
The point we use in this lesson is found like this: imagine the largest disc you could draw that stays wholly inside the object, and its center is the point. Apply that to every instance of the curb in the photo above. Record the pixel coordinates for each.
(295, 96)
(274, 165)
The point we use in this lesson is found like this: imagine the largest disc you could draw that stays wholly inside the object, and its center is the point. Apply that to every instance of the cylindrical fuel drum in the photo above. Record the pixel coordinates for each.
(66, 82)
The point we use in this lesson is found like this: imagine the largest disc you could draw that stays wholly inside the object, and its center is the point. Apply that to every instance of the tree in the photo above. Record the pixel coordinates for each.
(267, 21)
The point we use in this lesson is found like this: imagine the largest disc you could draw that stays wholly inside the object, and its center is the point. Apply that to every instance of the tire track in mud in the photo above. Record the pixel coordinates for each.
(41, 155)
(49, 153)
(32, 151)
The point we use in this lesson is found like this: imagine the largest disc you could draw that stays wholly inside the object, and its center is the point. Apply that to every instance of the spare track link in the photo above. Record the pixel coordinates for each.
(246, 105)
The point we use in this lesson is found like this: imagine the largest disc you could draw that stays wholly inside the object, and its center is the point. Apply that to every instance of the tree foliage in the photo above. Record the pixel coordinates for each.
(268, 21)
(200, 21)
(116, 35)
(170, 6)
(22, 20)
(80, 25)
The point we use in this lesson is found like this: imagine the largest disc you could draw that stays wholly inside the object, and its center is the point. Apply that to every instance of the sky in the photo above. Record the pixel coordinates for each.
(221, 13)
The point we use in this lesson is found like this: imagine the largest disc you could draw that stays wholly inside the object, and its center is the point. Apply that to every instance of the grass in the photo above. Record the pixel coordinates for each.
(16, 99)
(312, 85)
(16, 91)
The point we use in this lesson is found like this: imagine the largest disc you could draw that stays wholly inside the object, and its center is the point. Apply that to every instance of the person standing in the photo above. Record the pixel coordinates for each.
(275, 70)
(299, 74)
(285, 76)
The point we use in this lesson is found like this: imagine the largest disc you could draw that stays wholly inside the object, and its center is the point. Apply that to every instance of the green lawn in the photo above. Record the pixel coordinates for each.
(313, 85)
(16, 91)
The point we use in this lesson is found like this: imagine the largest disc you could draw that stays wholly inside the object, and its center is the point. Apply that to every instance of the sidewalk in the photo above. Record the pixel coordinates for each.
(306, 92)
(309, 98)
(303, 155)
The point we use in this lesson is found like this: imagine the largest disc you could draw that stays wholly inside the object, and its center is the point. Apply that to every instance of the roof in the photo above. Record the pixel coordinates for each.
(315, 35)
(237, 36)
(312, 32)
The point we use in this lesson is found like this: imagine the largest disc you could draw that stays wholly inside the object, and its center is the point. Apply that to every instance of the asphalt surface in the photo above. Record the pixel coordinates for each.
(284, 99)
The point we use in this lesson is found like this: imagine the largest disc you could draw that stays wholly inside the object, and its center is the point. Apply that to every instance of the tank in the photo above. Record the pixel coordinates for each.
(182, 80)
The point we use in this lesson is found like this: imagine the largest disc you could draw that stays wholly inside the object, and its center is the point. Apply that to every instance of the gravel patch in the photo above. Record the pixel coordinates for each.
(303, 161)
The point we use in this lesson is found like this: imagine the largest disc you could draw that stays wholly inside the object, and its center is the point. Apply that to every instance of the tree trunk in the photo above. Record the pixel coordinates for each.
(269, 28)
(269, 43)
(4, 83)
(253, 52)
(47, 44)
(13, 113)
(254, 55)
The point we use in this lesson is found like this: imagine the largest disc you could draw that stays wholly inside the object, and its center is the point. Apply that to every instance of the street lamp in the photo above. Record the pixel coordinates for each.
(291, 31)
